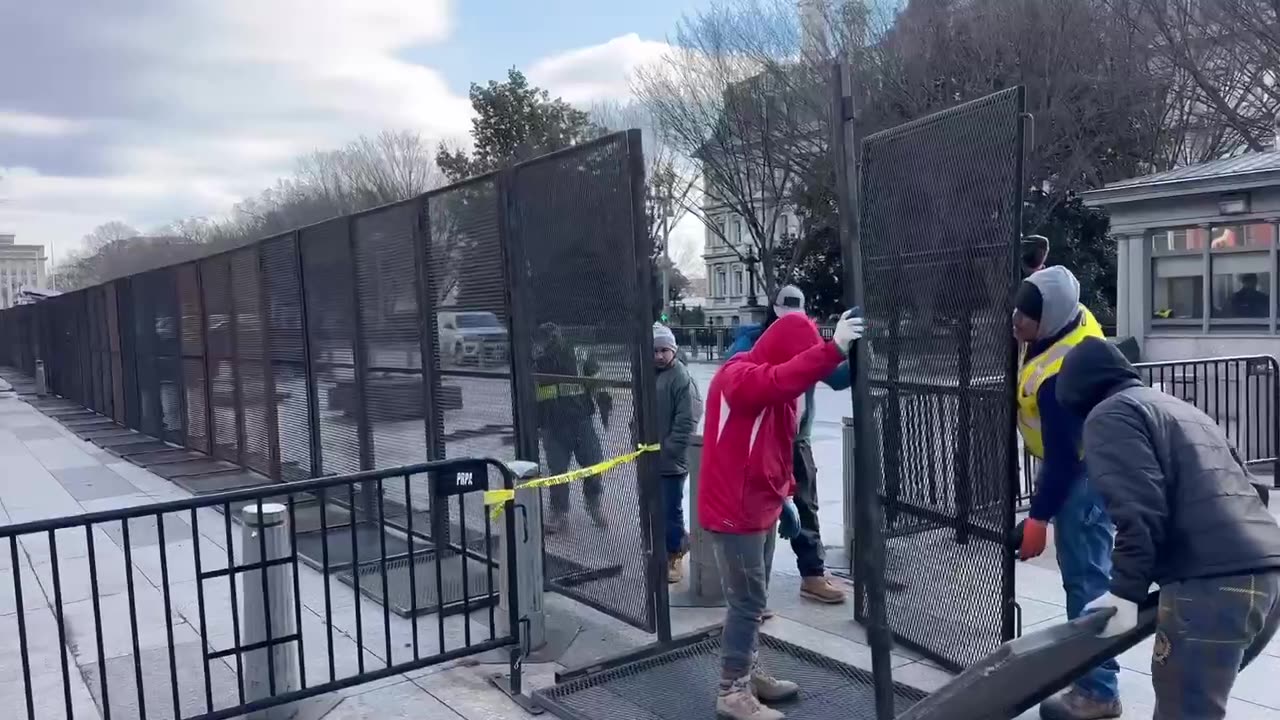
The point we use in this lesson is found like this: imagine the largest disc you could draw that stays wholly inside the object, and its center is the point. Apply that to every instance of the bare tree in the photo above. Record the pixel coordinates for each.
(107, 234)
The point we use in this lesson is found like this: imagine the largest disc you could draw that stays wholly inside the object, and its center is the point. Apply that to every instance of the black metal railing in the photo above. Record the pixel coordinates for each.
(1241, 394)
(161, 599)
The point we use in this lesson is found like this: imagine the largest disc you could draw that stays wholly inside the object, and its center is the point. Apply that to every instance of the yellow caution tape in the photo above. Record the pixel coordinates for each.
(497, 498)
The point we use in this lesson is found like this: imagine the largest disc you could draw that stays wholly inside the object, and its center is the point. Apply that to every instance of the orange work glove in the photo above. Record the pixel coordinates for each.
(1035, 533)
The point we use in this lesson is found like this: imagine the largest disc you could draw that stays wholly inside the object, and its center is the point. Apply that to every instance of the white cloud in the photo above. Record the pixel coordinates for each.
(20, 123)
(598, 72)
(184, 108)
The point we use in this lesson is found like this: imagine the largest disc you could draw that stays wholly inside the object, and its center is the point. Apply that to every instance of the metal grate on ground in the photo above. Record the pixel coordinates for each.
(419, 591)
(680, 685)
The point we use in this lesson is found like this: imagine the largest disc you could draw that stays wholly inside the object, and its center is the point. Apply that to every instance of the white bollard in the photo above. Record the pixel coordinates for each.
(528, 560)
(704, 574)
(269, 532)
(42, 382)
(850, 507)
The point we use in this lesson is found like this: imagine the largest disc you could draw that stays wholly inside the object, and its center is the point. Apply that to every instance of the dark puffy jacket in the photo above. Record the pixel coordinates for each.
(745, 338)
(677, 397)
(1173, 484)
(565, 395)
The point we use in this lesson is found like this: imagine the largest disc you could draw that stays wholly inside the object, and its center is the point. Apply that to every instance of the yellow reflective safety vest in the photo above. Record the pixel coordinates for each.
(555, 391)
(1042, 367)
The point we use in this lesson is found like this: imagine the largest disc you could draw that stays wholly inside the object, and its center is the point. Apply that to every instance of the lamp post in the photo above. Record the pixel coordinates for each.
(751, 261)
(660, 201)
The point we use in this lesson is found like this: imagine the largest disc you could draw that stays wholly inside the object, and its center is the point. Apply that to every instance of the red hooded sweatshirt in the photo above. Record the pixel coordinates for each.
(752, 418)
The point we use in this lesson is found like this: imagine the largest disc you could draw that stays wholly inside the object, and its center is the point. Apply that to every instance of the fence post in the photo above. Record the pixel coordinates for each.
(528, 560)
(850, 461)
(268, 610)
(704, 573)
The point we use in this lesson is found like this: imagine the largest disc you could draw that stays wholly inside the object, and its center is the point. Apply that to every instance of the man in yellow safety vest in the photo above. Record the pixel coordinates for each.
(1049, 320)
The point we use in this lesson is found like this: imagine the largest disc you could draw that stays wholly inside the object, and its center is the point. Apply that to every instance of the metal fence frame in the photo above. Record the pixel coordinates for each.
(976, 528)
(441, 477)
(289, 332)
(1220, 388)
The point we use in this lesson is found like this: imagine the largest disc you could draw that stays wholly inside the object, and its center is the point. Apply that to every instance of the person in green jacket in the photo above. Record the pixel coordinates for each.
(678, 407)
(807, 543)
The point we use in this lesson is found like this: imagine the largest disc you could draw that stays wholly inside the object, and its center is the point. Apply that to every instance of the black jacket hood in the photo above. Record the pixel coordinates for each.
(1093, 371)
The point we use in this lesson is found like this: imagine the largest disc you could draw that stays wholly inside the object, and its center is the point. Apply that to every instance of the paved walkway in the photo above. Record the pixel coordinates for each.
(47, 472)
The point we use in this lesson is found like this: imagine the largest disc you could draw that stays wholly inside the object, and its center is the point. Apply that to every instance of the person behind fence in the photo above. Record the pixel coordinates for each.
(678, 407)
(1049, 319)
(746, 475)
(566, 421)
(1188, 518)
(807, 542)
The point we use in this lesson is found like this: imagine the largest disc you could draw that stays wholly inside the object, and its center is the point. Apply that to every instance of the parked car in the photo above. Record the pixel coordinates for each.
(472, 337)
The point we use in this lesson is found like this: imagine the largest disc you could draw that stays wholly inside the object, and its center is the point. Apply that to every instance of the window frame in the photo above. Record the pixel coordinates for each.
(1208, 323)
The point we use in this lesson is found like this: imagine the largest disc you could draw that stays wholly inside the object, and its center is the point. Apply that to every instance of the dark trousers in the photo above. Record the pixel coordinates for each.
(673, 496)
(576, 439)
(810, 555)
(1207, 630)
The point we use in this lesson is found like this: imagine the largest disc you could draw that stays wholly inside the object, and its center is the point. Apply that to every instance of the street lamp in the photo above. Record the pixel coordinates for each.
(661, 202)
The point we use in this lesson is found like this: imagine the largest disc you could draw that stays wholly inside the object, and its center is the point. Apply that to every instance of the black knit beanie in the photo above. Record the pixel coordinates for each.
(1028, 301)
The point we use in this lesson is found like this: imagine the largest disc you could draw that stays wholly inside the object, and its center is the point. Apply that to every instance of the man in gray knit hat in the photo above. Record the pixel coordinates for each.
(678, 406)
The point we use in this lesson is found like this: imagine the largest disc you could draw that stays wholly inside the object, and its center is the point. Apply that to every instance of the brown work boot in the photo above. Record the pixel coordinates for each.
(675, 568)
(821, 589)
(769, 688)
(767, 614)
(1075, 705)
(739, 702)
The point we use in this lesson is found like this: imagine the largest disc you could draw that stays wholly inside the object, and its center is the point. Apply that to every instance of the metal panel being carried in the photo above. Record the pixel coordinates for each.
(941, 219)
(584, 295)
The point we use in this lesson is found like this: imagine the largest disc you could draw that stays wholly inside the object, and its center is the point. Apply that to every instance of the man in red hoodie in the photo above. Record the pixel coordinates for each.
(751, 423)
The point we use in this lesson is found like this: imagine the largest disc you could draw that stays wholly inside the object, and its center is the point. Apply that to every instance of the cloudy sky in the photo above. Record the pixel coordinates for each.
(151, 110)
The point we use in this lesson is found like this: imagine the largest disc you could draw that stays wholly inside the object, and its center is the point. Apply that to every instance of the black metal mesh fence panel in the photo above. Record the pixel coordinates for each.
(941, 219)
(282, 306)
(191, 350)
(101, 349)
(224, 415)
(330, 309)
(146, 352)
(575, 220)
(126, 307)
(116, 350)
(252, 366)
(167, 317)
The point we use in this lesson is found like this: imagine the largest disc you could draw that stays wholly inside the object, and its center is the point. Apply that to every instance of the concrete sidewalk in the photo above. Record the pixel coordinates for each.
(47, 472)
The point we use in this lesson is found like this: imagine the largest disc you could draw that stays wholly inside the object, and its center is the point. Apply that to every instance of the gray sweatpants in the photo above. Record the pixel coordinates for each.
(1207, 630)
(745, 564)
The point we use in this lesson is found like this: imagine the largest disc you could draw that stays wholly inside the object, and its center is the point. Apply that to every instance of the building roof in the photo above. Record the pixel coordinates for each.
(1234, 173)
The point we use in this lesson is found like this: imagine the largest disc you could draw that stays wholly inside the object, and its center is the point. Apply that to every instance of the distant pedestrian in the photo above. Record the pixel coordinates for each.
(746, 475)
(1187, 518)
(677, 406)
(566, 412)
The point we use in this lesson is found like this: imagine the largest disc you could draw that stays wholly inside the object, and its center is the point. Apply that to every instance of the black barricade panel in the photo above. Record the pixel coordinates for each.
(117, 358)
(387, 291)
(191, 347)
(251, 371)
(282, 305)
(469, 343)
(168, 361)
(330, 299)
(575, 224)
(224, 415)
(940, 223)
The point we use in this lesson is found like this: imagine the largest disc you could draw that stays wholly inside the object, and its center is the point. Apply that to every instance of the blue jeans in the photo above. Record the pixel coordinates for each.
(745, 562)
(673, 496)
(1083, 535)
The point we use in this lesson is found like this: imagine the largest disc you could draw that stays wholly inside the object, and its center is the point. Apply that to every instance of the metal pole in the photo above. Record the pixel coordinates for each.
(849, 478)
(869, 565)
(268, 610)
(666, 255)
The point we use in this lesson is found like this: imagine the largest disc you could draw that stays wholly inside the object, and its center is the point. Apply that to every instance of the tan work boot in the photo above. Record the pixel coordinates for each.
(675, 568)
(1075, 705)
(739, 702)
(767, 614)
(770, 689)
(821, 589)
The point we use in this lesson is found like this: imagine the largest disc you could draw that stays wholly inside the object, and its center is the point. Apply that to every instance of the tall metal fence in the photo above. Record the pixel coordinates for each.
(416, 331)
(940, 226)
(1241, 394)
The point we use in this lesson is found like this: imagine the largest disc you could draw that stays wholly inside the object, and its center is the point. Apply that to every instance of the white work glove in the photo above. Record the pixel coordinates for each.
(1124, 619)
(849, 328)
